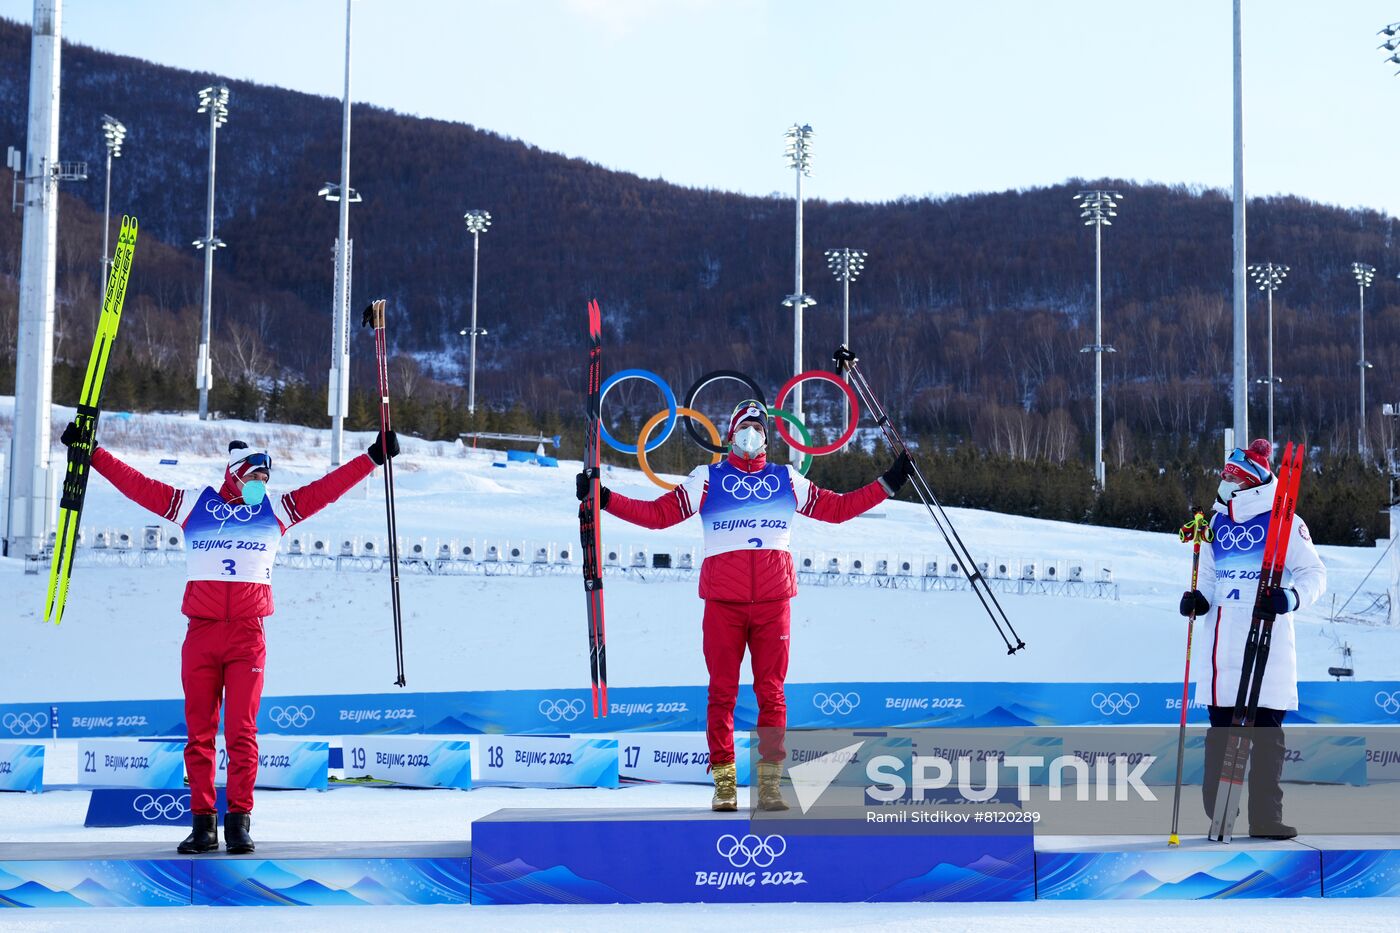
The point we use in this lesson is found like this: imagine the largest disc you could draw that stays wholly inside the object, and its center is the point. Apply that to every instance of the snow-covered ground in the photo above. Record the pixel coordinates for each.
(331, 634)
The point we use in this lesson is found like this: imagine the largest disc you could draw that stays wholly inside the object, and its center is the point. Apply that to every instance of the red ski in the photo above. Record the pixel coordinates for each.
(590, 528)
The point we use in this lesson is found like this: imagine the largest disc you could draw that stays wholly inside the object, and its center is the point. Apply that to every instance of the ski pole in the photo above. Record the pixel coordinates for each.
(374, 317)
(846, 363)
(1196, 531)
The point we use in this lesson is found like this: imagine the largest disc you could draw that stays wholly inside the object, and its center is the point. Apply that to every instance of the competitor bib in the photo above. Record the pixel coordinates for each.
(747, 511)
(1238, 550)
(233, 543)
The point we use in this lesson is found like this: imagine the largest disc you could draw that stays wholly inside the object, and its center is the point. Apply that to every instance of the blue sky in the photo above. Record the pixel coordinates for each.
(907, 97)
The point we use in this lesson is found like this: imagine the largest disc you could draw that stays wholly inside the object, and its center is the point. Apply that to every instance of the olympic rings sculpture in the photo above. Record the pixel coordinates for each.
(687, 413)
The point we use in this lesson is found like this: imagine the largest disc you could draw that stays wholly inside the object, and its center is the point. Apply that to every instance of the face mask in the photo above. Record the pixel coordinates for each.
(1227, 489)
(254, 491)
(748, 440)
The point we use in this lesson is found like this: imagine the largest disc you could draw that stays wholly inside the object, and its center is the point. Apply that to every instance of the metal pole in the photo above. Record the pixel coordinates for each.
(1098, 356)
(1271, 358)
(1241, 329)
(340, 326)
(1361, 366)
(106, 233)
(796, 405)
(28, 514)
(846, 329)
(471, 378)
(204, 363)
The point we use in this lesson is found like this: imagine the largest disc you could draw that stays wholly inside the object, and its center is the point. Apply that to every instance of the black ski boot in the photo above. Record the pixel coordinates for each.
(1272, 831)
(203, 838)
(236, 838)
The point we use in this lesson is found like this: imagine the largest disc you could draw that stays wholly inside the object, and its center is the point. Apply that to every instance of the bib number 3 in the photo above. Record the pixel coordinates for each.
(230, 568)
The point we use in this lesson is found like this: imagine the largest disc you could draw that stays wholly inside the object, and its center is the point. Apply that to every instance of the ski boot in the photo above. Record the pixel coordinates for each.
(204, 837)
(236, 838)
(1272, 830)
(770, 795)
(726, 798)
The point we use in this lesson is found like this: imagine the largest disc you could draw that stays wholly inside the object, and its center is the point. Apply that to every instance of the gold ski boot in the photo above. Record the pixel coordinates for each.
(770, 795)
(726, 797)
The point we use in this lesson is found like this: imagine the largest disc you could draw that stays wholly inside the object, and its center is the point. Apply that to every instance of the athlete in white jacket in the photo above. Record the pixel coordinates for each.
(1229, 576)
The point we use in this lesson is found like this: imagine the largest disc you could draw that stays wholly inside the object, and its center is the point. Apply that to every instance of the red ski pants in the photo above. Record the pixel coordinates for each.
(763, 628)
(221, 663)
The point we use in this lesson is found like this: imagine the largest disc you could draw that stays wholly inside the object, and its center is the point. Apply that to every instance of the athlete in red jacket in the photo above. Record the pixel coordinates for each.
(231, 538)
(748, 579)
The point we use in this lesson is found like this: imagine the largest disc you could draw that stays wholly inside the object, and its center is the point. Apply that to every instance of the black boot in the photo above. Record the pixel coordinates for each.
(236, 838)
(1265, 773)
(203, 838)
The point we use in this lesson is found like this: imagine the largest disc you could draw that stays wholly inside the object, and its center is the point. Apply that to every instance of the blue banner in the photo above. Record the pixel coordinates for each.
(867, 705)
(410, 761)
(127, 806)
(21, 767)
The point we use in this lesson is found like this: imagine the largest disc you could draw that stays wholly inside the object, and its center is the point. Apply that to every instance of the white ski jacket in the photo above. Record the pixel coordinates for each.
(1229, 580)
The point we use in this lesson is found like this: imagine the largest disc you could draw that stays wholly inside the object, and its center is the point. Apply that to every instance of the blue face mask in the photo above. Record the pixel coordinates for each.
(254, 491)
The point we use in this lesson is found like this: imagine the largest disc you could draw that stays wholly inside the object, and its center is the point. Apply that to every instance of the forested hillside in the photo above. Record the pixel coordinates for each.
(971, 313)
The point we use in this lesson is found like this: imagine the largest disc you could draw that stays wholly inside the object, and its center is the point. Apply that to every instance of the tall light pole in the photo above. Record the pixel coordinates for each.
(30, 507)
(846, 264)
(213, 101)
(1096, 207)
(1240, 374)
(477, 222)
(1364, 274)
(114, 133)
(799, 158)
(338, 396)
(1268, 276)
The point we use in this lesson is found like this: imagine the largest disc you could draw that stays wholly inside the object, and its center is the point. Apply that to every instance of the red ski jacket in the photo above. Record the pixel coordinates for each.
(748, 574)
(220, 599)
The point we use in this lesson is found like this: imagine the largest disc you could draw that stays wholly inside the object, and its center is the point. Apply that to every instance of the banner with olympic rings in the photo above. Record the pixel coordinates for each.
(870, 705)
(687, 414)
(21, 767)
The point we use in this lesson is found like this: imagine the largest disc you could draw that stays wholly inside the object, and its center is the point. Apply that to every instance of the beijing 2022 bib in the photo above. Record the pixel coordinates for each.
(233, 543)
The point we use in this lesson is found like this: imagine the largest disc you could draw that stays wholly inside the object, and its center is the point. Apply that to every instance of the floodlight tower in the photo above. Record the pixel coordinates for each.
(213, 101)
(799, 157)
(338, 397)
(477, 222)
(1364, 274)
(1269, 276)
(1096, 207)
(846, 264)
(114, 133)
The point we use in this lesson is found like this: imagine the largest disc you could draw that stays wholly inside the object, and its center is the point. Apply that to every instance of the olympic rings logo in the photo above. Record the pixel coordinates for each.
(25, 723)
(759, 488)
(1239, 537)
(836, 704)
(688, 415)
(1388, 702)
(746, 850)
(223, 511)
(291, 717)
(1115, 704)
(164, 807)
(567, 710)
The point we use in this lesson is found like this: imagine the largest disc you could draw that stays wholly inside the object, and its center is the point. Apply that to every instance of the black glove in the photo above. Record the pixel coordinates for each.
(897, 475)
(386, 441)
(1193, 603)
(71, 435)
(583, 486)
(1276, 601)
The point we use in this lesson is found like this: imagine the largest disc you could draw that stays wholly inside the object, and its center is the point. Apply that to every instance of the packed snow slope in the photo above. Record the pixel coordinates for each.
(120, 638)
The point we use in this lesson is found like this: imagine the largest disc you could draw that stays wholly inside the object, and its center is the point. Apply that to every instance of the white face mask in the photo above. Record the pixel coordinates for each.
(1227, 489)
(749, 440)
